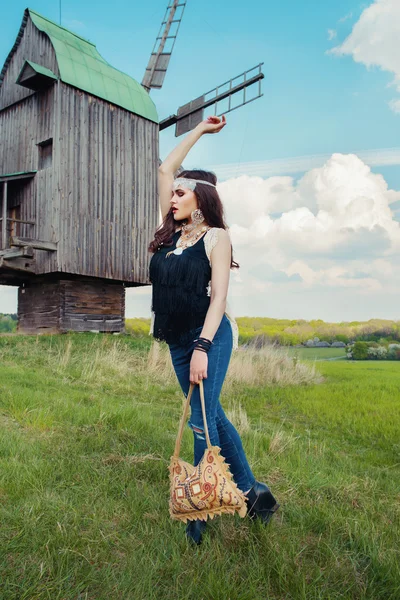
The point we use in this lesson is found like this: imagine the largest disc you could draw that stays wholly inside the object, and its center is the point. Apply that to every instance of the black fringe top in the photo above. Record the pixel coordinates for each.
(179, 300)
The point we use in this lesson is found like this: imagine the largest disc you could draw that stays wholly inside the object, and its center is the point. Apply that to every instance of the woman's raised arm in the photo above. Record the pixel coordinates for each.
(175, 158)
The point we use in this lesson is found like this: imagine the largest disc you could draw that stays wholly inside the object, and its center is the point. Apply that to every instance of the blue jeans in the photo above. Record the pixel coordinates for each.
(222, 432)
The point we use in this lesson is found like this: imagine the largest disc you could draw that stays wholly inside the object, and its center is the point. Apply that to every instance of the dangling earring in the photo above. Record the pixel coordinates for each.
(197, 217)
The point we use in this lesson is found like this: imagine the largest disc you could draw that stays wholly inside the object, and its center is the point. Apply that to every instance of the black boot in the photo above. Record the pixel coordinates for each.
(261, 503)
(194, 530)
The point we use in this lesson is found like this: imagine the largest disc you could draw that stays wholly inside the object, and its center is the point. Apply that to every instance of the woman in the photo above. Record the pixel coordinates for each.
(190, 272)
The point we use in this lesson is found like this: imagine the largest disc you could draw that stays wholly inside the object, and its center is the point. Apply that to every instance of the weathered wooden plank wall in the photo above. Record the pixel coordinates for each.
(39, 307)
(108, 181)
(22, 127)
(77, 305)
(27, 119)
(92, 305)
(34, 46)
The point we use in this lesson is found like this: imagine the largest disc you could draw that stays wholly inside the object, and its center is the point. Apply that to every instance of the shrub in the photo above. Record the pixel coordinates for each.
(378, 352)
(394, 352)
(373, 351)
(360, 351)
(138, 327)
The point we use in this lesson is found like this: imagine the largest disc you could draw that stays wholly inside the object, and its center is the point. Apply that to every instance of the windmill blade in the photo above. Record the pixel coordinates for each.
(191, 114)
(159, 60)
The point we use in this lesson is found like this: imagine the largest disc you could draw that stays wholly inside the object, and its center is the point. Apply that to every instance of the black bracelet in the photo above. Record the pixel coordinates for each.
(204, 341)
(200, 349)
(203, 344)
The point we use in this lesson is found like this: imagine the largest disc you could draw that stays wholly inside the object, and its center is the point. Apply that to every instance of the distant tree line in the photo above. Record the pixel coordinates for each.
(285, 332)
(295, 332)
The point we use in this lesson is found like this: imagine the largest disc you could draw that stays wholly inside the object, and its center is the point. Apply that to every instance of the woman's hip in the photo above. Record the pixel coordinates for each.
(221, 342)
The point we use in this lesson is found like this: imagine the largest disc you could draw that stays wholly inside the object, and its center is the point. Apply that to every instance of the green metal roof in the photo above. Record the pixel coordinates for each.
(82, 66)
(40, 69)
(19, 173)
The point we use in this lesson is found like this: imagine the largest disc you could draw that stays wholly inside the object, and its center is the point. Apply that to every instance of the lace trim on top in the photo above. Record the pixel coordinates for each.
(210, 240)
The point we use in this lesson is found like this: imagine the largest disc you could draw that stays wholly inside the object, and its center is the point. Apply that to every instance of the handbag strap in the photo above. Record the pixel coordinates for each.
(185, 415)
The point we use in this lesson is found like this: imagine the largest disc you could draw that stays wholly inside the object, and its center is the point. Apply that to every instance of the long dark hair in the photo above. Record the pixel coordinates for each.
(208, 201)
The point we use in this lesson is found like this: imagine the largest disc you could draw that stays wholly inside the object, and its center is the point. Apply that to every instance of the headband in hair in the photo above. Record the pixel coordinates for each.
(189, 183)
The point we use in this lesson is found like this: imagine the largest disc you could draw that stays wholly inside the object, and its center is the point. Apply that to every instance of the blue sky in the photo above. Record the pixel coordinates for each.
(315, 103)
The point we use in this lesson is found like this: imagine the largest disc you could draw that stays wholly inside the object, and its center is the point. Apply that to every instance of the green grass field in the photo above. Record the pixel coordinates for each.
(86, 436)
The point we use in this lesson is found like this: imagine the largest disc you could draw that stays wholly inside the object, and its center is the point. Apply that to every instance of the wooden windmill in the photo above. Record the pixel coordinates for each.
(78, 172)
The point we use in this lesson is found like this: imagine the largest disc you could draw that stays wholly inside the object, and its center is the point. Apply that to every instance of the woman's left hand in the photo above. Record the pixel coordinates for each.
(198, 366)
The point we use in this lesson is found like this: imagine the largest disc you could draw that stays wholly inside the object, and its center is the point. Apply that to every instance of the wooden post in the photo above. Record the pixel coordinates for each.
(4, 220)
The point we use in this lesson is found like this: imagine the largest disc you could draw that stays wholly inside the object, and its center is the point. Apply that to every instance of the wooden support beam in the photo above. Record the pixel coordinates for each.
(4, 217)
(19, 221)
(12, 253)
(27, 265)
(17, 176)
(38, 244)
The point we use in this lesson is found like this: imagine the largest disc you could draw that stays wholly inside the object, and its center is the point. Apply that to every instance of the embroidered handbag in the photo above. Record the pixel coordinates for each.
(208, 489)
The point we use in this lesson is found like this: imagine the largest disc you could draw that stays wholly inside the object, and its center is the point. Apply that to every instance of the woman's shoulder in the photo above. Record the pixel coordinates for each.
(217, 230)
(211, 238)
(214, 234)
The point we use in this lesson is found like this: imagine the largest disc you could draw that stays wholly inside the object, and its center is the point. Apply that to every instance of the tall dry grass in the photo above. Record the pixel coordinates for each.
(238, 416)
(100, 361)
(105, 359)
(267, 366)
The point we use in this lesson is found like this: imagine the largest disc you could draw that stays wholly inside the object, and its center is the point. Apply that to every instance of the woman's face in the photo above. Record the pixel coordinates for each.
(185, 202)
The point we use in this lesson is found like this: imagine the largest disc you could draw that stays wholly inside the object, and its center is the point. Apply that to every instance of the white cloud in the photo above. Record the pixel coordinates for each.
(374, 40)
(345, 18)
(299, 164)
(336, 276)
(332, 33)
(326, 207)
(395, 105)
(333, 229)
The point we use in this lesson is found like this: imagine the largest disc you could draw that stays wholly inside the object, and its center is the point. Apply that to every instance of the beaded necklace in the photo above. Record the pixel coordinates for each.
(189, 240)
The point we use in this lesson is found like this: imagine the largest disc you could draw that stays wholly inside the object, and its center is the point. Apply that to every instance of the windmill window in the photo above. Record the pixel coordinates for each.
(45, 154)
